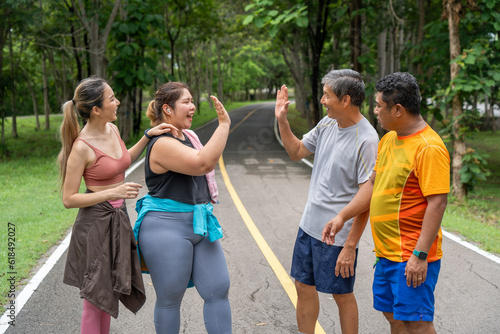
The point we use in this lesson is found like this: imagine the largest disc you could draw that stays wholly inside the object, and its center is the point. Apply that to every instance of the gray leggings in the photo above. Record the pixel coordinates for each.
(174, 255)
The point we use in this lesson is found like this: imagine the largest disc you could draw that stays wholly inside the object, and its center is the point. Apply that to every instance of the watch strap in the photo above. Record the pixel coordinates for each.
(420, 255)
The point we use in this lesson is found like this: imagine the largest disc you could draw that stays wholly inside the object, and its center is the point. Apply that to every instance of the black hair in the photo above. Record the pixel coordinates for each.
(400, 88)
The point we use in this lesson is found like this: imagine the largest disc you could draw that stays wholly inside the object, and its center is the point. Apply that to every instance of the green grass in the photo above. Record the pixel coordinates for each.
(30, 198)
(477, 218)
(29, 192)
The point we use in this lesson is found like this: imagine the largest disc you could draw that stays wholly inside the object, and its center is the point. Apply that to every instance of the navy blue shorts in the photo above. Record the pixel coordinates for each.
(314, 264)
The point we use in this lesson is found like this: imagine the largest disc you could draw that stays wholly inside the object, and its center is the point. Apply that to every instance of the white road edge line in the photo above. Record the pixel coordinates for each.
(30, 288)
(449, 235)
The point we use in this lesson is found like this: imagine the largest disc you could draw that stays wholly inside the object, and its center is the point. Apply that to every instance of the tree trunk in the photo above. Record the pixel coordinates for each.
(95, 59)
(172, 56)
(317, 31)
(381, 53)
(420, 37)
(492, 105)
(399, 41)
(137, 110)
(33, 99)
(208, 74)
(125, 119)
(355, 34)
(4, 33)
(390, 50)
(296, 65)
(58, 77)
(13, 90)
(220, 82)
(452, 8)
(46, 106)
(97, 38)
(79, 70)
(2, 140)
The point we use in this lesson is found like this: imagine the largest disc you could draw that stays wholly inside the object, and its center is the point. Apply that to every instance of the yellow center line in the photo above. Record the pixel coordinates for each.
(271, 258)
(245, 118)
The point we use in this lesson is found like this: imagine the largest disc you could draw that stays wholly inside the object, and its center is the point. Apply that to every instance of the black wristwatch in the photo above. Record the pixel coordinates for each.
(420, 255)
(146, 134)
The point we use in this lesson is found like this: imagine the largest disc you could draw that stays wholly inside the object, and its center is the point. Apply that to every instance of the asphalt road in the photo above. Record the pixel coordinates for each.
(273, 191)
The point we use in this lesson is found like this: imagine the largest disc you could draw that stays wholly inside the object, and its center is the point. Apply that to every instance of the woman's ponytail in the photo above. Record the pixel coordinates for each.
(70, 128)
(151, 113)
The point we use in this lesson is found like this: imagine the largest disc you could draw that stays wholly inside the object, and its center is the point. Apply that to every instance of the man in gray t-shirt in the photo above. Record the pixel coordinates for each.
(345, 147)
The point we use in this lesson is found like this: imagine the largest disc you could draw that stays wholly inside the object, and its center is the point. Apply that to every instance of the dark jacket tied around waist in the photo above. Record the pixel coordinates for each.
(102, 259)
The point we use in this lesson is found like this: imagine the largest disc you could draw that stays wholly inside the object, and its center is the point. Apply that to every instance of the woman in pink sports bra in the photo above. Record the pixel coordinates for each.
(102, 258)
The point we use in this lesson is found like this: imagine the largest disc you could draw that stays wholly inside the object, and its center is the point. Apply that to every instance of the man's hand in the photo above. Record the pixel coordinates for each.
(281, 109)
(345, 262)
(415, 271)
(331, 229)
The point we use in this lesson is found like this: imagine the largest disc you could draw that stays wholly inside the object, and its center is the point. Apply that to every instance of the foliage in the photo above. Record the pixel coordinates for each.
(233, 49)
(264, 15)
(473, 169)
(132, 67)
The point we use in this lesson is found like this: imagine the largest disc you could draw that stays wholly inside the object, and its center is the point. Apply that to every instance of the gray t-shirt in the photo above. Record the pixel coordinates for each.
(344, 159)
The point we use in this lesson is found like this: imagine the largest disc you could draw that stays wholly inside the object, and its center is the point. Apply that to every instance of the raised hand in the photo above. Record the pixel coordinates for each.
(281, 109)
(221, 111)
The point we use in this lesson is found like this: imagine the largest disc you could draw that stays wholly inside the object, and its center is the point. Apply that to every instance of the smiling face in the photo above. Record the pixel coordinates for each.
(181, 115)
(331, 102)
(109, 104)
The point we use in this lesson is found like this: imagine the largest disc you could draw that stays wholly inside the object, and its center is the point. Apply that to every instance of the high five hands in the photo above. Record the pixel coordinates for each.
(281, 109)
(221, 111)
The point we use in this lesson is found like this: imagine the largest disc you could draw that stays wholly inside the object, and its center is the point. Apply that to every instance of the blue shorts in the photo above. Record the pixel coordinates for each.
(314, 264)
(391, 294)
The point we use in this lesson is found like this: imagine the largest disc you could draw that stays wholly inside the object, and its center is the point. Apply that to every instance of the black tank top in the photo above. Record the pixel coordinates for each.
(176, 186)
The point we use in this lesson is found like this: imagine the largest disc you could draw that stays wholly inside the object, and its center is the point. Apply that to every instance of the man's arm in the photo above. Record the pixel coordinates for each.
(347, 257)
(293, 146)
(359, 204)
(416, 269)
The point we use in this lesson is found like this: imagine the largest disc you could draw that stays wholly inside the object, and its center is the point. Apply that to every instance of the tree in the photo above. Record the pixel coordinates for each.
(311, 21)
(452, 9)
(90, 14)
(132, 67)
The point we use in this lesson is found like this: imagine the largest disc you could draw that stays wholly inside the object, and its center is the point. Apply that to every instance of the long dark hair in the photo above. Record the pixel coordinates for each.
(88, 94)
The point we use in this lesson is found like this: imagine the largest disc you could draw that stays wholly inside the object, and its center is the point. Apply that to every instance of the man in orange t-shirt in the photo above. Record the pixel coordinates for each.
(407, 197)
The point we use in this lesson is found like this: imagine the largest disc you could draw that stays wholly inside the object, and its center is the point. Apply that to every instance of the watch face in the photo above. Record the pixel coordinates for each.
(422, 255)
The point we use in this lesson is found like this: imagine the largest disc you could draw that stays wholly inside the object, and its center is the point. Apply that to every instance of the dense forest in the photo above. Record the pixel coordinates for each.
(243, 50)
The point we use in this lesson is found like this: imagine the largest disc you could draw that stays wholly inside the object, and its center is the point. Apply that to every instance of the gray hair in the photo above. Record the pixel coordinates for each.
(346, 82)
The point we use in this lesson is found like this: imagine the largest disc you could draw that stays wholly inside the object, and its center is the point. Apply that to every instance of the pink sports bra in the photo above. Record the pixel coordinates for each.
(107, 170)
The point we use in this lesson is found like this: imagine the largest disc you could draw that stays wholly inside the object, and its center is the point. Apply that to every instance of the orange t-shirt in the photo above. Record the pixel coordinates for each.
(408, 169)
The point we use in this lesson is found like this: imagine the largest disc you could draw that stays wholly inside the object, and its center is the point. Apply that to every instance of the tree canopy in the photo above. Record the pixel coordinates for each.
(246, 50)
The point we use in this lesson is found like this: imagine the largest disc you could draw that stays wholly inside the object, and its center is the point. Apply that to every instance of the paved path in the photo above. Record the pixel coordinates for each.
(273, 191)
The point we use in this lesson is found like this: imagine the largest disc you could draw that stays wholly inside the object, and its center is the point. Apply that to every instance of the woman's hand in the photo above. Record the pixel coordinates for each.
(163, 128)
(127, 190)
(221, 111)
